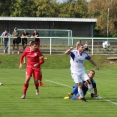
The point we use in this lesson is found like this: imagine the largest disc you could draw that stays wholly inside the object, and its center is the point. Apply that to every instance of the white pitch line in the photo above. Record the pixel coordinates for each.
(71, 87)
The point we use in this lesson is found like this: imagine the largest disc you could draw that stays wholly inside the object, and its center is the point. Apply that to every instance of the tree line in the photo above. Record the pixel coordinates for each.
(104, 10)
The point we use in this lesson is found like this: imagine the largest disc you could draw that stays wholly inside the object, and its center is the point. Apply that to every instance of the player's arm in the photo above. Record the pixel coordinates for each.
(68, 51)
(41, 59)
(21, 59)
(91, 61)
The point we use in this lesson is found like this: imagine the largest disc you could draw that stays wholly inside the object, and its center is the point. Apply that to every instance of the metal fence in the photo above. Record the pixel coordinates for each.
(57, 45)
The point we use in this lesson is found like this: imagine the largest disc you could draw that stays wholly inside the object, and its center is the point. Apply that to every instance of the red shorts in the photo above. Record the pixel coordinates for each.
(33, 71)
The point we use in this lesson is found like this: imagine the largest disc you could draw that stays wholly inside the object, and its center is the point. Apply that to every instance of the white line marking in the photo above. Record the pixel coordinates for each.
(71, 87)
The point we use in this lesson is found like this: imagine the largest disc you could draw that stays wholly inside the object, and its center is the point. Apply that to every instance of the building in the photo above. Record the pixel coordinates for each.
(81, 27)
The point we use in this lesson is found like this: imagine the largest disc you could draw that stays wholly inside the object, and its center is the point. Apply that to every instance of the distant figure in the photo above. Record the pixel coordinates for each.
(24, 38)
(24, 41)
(86, 47)
(17, 40)
(5, 35)
(35, 35)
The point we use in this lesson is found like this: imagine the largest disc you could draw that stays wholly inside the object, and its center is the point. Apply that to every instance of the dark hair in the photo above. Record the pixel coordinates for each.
(33, 43)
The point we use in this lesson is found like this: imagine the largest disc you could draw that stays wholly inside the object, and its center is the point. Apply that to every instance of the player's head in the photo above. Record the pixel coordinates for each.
(33, 46)
(6, 31)
(80, 47)
(91, 74)
(29, 43)
(25, 30)
(35, 31)
(77, 43)
(15, 29)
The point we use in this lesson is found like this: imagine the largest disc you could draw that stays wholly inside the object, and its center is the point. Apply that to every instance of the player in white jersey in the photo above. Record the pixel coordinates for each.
(78, 73)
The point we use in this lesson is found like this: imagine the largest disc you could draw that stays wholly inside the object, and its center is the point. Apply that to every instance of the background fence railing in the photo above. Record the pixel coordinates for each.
(57, 45)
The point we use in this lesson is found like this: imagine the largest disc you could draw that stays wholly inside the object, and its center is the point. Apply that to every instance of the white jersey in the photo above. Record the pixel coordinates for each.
(77, 61)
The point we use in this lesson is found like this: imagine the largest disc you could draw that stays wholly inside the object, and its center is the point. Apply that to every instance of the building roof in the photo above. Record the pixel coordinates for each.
(48, 19)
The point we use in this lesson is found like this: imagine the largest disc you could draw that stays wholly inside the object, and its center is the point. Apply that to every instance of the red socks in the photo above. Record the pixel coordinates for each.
(25, 88)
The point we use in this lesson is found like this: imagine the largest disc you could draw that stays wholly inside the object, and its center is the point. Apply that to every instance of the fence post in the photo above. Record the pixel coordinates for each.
(50, 46)
(92, 46)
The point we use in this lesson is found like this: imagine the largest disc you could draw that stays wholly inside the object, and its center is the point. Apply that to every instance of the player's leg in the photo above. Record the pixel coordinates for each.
(78, 81)
(40, 79)
(36, 74)
(74, 91)
(85, 77)
(26, 83)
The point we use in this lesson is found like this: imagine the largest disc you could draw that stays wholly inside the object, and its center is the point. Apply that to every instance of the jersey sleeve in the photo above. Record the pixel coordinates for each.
(41, 58)
(88, 57)
(72, 55)
(22, 56)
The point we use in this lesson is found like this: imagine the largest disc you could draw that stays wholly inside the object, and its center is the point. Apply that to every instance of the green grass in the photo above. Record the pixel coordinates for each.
(50, 102)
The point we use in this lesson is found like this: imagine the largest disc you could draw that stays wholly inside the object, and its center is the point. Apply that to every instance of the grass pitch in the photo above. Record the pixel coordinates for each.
(50, 102)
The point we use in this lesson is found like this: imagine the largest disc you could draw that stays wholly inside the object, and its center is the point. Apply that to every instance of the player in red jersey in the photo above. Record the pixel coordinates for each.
(40, 77)
(34, 60)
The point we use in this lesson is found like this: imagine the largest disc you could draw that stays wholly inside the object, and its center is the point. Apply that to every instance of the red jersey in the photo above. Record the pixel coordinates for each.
(32, 57)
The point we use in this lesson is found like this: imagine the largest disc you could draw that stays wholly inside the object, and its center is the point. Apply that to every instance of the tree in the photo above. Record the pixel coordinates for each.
(106, 13)
(46, 8)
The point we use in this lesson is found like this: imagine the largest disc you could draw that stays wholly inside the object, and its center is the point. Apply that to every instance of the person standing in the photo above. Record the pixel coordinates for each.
(5, 36)
(24, 41)
(34, 60)
(36, 35)
(77, 68)
(86, 46)
(17, 40)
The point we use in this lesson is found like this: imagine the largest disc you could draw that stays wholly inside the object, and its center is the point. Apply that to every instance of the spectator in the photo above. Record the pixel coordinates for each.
(24, 41)
(5, 35)
(86, 47)
(16, 40)
(36, 35)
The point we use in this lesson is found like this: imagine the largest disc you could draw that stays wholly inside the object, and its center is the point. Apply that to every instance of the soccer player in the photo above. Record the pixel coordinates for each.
(40, 77)
(77, 68)
(34, 60)
(91, 75)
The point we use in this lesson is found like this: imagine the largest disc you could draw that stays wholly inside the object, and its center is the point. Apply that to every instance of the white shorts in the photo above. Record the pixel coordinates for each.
(79, 77)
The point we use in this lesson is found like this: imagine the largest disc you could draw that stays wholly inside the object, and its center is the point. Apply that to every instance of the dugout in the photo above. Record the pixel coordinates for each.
(81, 27)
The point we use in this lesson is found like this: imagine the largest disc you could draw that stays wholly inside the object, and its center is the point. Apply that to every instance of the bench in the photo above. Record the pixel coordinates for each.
(112, 59)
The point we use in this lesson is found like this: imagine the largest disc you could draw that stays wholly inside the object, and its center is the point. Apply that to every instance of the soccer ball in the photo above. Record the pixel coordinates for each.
(106, 44)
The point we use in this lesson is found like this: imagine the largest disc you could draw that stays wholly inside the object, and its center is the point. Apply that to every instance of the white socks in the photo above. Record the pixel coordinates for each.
(80, 92)
(90, 87)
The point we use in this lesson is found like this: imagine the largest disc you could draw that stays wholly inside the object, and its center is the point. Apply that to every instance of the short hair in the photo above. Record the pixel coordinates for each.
(33, 43)
(93, 71)
(77, 44)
